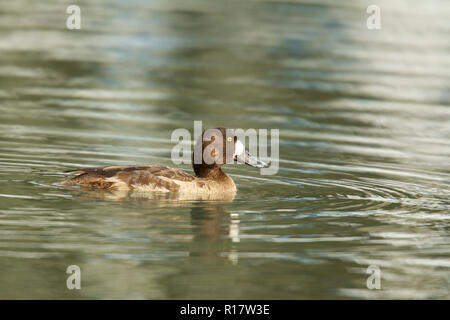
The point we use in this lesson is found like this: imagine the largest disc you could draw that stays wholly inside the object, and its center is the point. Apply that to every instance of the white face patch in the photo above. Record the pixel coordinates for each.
(238, 148)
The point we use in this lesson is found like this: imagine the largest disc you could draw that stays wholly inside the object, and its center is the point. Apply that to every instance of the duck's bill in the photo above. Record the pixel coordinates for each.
(253, 161)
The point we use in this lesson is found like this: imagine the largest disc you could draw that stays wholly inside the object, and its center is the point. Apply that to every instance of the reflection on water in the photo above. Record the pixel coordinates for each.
(364, 125)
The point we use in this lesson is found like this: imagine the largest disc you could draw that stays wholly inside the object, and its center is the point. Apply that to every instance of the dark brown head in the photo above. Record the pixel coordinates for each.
(216, 147)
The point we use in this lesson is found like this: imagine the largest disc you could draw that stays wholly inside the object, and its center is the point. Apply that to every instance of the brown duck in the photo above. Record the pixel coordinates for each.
(214, 148)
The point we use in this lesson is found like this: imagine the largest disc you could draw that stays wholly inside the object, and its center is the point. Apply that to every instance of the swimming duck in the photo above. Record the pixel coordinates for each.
(214, 148)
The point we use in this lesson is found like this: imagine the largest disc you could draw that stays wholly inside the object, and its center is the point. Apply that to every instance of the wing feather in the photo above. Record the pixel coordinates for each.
(122, 177)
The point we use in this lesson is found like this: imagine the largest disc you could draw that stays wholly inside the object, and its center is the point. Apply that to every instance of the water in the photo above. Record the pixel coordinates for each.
(364, 123)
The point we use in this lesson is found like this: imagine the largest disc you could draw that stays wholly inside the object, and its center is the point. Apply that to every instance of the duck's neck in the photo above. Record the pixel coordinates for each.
(209, 171)
(215, 175)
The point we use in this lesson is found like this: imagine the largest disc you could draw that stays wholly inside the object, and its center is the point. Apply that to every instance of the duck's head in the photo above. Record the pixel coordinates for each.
(219, 146)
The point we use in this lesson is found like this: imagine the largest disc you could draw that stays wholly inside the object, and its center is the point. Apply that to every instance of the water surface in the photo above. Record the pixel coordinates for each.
(364, 119)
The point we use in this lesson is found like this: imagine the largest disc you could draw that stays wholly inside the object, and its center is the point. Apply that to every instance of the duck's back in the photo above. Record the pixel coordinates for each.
(146, 178)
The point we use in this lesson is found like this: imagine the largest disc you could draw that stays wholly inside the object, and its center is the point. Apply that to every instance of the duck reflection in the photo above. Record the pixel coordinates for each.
(215, 229)
(162, 198)
(215, 232)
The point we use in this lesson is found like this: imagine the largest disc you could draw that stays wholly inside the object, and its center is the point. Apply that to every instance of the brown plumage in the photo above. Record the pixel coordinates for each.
(222, 146)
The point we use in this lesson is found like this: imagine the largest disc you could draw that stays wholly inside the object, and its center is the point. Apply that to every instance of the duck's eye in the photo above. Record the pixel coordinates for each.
(229, 139)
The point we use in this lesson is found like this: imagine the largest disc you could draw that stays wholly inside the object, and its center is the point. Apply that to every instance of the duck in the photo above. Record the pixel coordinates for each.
(214, 148)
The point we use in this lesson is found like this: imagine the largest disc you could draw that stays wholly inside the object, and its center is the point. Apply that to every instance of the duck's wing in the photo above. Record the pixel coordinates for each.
(110, 170)
(151, 178)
